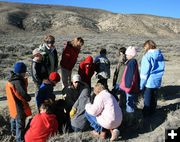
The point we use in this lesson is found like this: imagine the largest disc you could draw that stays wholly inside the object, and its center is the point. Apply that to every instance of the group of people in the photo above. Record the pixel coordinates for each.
(82, 106)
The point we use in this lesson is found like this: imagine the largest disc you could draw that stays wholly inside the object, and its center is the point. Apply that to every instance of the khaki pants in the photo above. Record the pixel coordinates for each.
(66, 77)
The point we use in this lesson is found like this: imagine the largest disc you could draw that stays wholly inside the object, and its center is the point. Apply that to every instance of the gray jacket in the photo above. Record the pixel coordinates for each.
(79, 120)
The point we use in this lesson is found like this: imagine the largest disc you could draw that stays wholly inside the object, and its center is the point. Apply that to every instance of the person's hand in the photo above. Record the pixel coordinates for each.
(72, 112)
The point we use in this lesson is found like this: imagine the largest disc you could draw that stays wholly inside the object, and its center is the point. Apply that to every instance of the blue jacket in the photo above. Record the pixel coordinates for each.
(45, 92)
(152, 69)
(130, 80)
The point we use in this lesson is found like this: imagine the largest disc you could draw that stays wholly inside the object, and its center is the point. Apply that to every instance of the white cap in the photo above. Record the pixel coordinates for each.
(38, 51)
(131, 50)
(76, 77)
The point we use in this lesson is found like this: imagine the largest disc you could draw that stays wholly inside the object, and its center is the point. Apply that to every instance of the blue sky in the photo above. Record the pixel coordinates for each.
(167, 8)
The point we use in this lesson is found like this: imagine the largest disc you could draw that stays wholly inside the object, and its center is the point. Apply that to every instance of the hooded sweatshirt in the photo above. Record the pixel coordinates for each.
(106, 110)
(86, 72)
(152, 69)
(42, 126)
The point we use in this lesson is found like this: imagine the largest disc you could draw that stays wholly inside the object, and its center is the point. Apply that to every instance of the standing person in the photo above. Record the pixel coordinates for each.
(116, 91)
(38, 70)
(18, 98)
(130, 83)
(50, 59)
(42, 125)
(45, 92)
(152, 70)
(86, 70)
(102, 64)
(69, 59)
(104, 114)
(78, 120)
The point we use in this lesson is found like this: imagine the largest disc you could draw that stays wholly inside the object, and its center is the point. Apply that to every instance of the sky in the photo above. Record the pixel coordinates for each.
(166, 8)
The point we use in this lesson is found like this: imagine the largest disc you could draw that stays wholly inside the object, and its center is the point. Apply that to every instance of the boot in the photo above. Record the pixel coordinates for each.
(114, 134)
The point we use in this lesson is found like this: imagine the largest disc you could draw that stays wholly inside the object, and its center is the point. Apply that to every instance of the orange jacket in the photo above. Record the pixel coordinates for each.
(11, 92)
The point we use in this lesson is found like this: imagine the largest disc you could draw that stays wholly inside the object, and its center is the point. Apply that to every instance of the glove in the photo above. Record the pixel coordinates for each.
(72, 112)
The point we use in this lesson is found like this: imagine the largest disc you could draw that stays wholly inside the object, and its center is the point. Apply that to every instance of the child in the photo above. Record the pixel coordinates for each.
(50, 58)
(102, 64)
(42, 125)
(104, 113)
(38, 70)
(45, 91)
(86, 70)
(69, 59)
(130, 83)
(78, 120)
(152, 70)
(17, 98)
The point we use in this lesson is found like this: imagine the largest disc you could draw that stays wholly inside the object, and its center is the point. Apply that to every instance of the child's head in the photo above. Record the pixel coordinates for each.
(49, 40)
(54, 78)
(75, 80)
(149, 44)
(98, 88)
(20, 68)
(130, 52)
(77, 42)
(122, 50)
(46, 107)
(38, 54)
(103, 51)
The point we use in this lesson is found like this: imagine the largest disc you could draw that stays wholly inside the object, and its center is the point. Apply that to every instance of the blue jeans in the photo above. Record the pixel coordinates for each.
(130, 103)
(93, 122)
(18, 127)
(150, 101)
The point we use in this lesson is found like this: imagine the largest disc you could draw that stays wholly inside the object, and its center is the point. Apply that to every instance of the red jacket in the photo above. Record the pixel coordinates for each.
(42, 126)
(86, 72)
(69, 56)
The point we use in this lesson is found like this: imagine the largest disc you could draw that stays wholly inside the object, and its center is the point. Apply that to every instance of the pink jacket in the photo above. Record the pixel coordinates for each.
(106, 109)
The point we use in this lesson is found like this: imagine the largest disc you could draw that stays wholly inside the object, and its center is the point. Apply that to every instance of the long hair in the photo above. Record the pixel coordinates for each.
(76, 41)
(151, 44)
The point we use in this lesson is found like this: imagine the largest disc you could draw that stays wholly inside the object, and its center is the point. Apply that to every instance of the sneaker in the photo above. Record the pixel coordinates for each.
(114, 134)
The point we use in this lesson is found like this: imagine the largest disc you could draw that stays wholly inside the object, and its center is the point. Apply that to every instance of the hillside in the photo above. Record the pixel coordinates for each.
(33, 18)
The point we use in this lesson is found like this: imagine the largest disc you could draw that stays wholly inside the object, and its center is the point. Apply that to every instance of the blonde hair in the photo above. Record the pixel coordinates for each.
(98, 88)
(75, 42)
(151, 44)
(49, 38)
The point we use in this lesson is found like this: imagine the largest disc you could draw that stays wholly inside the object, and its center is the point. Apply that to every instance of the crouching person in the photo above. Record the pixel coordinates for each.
(104, 114)
(17, 98)
(77, 113)
(42, 125)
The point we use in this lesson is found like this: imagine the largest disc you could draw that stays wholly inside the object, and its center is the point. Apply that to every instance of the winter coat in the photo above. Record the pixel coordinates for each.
(45, 92)
(69, 56)
(119, 70)
(106, 110)
(152, 69)
(42, 126)
(38, 71)
(17, 97)
(50, 59)
(102, 67)
(86, 72)
(130, 81)
(79, 120)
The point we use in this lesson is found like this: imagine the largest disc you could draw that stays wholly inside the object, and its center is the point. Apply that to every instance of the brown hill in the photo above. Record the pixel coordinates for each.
(33, 18)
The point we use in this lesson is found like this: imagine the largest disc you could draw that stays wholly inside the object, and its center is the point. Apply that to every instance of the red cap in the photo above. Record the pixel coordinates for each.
(54, 76)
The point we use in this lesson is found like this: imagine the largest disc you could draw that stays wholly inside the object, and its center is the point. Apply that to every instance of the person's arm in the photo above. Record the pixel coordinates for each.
(144, 73)
(34, 73)
(96, 108)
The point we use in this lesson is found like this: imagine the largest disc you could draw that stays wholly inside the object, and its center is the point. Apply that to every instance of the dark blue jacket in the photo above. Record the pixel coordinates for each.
(45, 92)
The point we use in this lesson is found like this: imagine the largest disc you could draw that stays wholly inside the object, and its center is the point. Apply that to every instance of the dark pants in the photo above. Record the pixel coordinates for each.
(150, 101)
(93, 122)
(18, 128)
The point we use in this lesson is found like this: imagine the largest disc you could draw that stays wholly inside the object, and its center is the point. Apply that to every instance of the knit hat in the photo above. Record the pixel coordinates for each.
(54, 76)
(131, 50)
(38, 51)
(76, 77)
(20, 67)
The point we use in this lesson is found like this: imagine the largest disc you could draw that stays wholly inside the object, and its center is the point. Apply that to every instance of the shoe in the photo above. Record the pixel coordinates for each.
(114, 134)
(103, 135)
